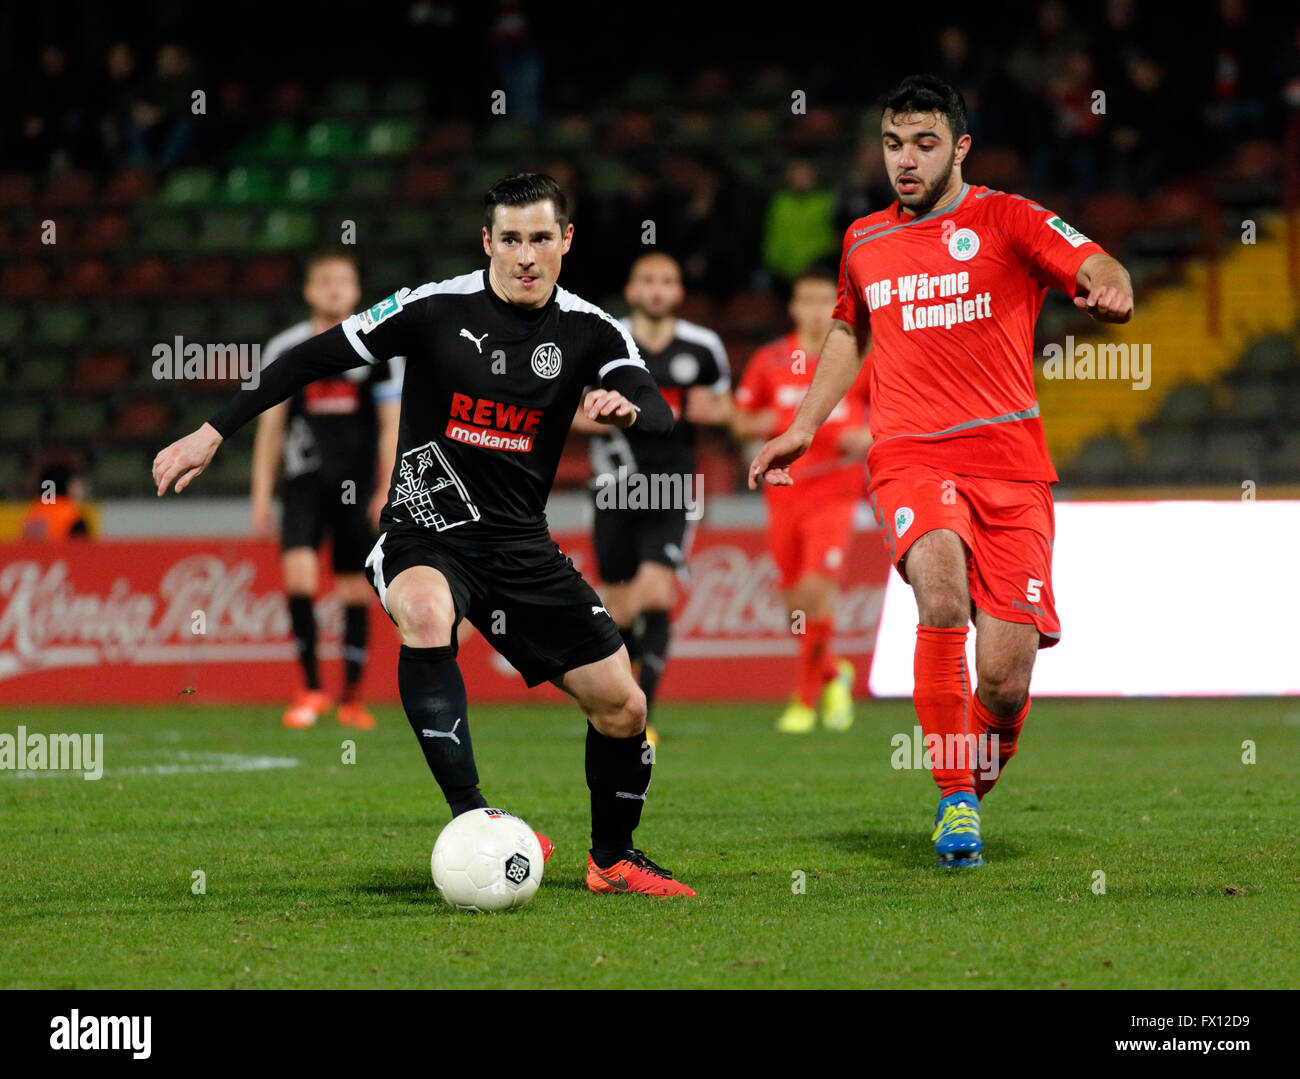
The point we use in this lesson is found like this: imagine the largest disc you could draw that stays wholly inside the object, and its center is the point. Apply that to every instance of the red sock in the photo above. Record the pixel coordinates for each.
(941, 695)
(1007, 731)
(814, 652)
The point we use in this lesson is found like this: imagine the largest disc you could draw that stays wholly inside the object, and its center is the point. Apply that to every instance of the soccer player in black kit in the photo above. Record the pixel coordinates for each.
(337, 437)
(496, 362)
(646, 490)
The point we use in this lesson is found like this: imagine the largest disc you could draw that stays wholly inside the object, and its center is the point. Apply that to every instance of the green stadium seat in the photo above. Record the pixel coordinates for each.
(21, 422)
(44, 374)
(194, 409)
(403, 96)
(309, 184)
(277, 141)
(329, 138)
(12, 475)
(349, 97)
(287, 230)
(188, 187)
(1230, 457)
(12, 322)
(230, 472)
(369, 184)
(189, 320)
(165, 232)
(1283, 462)
(571, 132)
(60, 324)
(648, 87)
(1269, 355)
(408, 227)
(507, 136)
(386, 137)
(249, 184)
(1186, 405)
(80, 421)
(122, 473)
(1254, 403)
(227, 229)
(385, 274)
(122, 324)
(245, 321)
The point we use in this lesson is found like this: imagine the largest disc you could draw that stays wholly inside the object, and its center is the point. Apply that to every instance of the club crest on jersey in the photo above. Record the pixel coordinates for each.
(684, 368)
(963, 244)
(546, 360)
(373, 316)
(903, 521)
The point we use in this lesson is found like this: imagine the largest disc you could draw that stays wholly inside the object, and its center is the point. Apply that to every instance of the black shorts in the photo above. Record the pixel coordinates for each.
(312, 506)
(530, 603)
(623, 539)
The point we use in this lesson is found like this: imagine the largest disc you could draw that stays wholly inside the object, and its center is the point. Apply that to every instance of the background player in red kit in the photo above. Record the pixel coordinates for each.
(949, 281)
(809, 525)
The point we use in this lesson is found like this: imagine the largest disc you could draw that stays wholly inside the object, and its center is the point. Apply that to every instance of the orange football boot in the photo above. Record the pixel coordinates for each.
(548, 848)
(307, 707)
(355, 714)
(635, 873)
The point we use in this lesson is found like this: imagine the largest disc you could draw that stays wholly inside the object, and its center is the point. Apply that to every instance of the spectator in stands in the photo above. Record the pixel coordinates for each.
(51, 124)
(56, 514)
(865, 189)
(163, 111)
(119, 134)
(800, 227)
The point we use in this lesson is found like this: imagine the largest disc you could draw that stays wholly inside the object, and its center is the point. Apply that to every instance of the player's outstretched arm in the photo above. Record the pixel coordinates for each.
(185, 458)
(1106, 290)
(841, 359)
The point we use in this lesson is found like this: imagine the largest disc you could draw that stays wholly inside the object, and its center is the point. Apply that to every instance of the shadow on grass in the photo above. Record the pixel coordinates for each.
(911, 849)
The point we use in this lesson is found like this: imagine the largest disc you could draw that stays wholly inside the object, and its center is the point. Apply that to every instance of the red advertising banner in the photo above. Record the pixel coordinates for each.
(133, 621)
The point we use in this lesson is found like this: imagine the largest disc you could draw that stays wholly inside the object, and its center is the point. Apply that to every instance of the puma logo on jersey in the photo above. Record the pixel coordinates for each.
(444, 734)
(599, 610)
(478, 341)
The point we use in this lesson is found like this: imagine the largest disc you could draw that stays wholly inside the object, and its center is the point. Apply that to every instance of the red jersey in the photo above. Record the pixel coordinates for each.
(774, 379)
(951, 298)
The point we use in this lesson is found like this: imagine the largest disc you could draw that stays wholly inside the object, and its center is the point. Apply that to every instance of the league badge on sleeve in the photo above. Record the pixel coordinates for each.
(384, 309)
(1073, 235)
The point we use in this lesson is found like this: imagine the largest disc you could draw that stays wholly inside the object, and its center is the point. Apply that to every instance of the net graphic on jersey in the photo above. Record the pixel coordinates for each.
(424, 473)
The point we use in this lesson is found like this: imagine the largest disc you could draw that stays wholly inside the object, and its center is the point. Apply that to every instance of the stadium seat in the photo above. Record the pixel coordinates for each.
(79, 421)
(288, 98)
(402, 96)
(145, 418)
(21, 422)
(407, 228)
(750, 313)
(122, 324)
(368, 184)
(1282, 464)
(16, 191)
(329, 138)
(1170, 457)
(1185, 406)
(43, 374)
(505, 136)
(165, 232)
(28, 280)
(99, 373)
(265, 276)
(60, 324)
(104, 232)
(452, 138)
(190, 320)
(1271, 355)
(203, 277)
(572, 132)
(425, 183)
(349, 97)
(277, 141)
(12, 324)
(122, 473)
(148, 277)
(244, 321)
(68, 190)
(249, 184)
(386, 137)
(1230, 456)
(287, 230)
(227, 228)
(309, 184)
(85, 279)
(127, 187)
(12, 475)
(1254, 404)
(188, 187)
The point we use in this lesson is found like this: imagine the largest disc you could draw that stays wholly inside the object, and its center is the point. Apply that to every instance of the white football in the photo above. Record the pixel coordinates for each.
(487, 860)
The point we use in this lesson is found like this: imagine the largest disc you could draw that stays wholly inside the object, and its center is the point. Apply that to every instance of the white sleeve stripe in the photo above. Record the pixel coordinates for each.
(350, 325)
(619, 363)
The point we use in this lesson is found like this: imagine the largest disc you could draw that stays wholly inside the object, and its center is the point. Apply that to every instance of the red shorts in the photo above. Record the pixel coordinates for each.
(1008, 527)
(809, 538)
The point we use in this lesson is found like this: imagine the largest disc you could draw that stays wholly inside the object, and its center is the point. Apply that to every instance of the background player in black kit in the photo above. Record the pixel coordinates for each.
(641, 550)
(338, 440)
(497, 361)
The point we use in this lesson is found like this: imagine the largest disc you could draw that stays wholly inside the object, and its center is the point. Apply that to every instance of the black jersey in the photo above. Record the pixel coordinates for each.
(694, 357)
(332, 426)
(490, 390)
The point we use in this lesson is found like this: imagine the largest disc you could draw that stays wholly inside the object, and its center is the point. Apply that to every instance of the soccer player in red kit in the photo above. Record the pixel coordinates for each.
(948, 283)
(810, 524)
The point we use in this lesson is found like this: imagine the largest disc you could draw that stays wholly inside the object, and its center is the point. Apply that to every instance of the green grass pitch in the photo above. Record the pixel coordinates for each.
(317, 874)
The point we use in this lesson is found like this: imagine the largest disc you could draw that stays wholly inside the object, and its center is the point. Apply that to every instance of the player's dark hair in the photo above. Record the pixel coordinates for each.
(927, 93)
(818, 271)
(524, 189)
(328, 254)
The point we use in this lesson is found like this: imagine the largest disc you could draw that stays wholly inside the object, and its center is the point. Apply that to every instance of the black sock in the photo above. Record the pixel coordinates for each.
(433, 694)
(356, 628)
(654, 653)
(618, 776)
(303, 620)
(632, 640)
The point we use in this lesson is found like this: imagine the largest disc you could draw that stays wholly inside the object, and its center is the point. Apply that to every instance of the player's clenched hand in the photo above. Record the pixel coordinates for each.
(772, 461)
(1106, 303)
(185, 458)
(609, 406)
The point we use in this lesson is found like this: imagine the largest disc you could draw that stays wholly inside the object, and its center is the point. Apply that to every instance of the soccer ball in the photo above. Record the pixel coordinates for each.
(487, 860)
